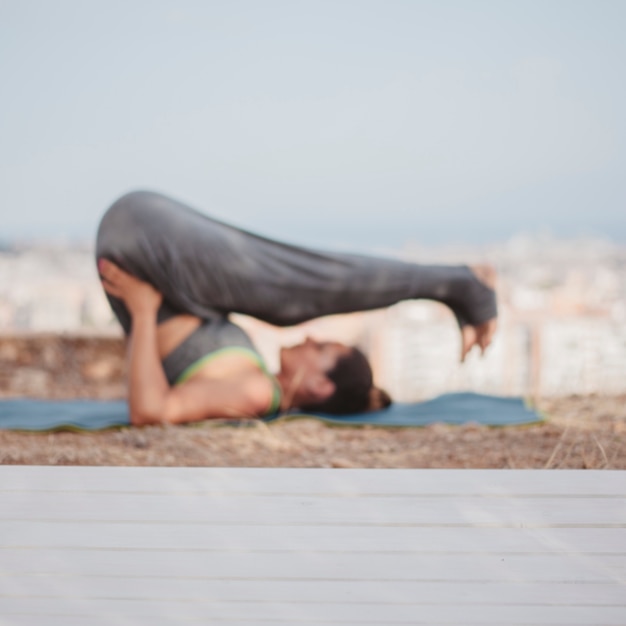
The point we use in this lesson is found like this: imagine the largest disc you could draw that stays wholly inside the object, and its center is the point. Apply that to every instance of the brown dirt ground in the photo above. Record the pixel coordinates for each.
(580, 432)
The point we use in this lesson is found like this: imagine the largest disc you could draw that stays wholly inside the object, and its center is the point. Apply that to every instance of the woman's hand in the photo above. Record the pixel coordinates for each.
(138, 296)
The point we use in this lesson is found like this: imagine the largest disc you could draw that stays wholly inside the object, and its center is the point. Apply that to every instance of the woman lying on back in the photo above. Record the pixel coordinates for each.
(173, 275)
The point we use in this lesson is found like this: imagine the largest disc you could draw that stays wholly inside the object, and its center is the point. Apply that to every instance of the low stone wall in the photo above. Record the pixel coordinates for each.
(62, 366)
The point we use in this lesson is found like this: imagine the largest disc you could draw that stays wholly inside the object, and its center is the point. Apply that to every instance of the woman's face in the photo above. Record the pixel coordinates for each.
(312, 357)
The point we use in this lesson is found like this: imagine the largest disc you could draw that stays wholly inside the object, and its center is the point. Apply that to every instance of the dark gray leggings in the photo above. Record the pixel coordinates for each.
(209, 269)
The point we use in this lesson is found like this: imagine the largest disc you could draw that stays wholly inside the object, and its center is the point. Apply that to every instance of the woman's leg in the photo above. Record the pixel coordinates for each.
(209, 269)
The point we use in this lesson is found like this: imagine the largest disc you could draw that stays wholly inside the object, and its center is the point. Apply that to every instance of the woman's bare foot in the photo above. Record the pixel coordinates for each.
(480, 335)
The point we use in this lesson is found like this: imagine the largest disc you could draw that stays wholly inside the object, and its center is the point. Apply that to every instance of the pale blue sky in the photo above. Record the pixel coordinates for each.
(364, 123)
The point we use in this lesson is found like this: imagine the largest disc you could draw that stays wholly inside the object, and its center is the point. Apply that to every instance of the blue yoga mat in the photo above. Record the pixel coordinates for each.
(450, 408)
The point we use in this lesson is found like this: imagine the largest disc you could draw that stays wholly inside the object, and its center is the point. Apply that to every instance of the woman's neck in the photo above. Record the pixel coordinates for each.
(290, 387)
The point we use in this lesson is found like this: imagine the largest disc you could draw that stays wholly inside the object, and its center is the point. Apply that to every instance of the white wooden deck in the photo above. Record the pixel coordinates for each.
(83, 546)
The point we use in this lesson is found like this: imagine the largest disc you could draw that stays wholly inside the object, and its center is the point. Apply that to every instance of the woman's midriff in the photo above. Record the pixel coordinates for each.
(172, 332)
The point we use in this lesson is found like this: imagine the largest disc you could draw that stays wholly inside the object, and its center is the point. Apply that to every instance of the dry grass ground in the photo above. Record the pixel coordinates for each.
(580, 432)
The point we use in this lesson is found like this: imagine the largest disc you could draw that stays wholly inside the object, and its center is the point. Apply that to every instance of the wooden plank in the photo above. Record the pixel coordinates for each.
(269, 539)
(318, 481)
(537, 593)
(304, 509)
(165, 611)
(301, 566)
(107, 620)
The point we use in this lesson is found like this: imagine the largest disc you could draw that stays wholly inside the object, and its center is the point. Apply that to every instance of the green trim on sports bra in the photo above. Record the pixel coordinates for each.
(190, 370)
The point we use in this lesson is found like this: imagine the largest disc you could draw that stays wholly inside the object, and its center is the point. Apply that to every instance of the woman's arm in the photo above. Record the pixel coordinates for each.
(147, 385)
(150, 398)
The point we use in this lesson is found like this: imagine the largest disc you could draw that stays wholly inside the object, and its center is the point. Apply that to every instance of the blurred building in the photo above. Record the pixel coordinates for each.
(51, 289)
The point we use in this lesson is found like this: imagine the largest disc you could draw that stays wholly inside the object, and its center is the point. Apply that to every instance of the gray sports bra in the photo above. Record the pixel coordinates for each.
(211, 339)
(210, 336)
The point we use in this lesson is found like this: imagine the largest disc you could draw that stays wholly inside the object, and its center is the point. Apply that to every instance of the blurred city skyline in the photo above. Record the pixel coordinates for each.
(365, 125)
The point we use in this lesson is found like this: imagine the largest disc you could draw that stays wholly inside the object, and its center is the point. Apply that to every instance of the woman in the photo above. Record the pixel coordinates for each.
(172, 276)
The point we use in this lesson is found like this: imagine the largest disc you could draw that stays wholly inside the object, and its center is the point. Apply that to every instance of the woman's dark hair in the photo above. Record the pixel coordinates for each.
(354, 390)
